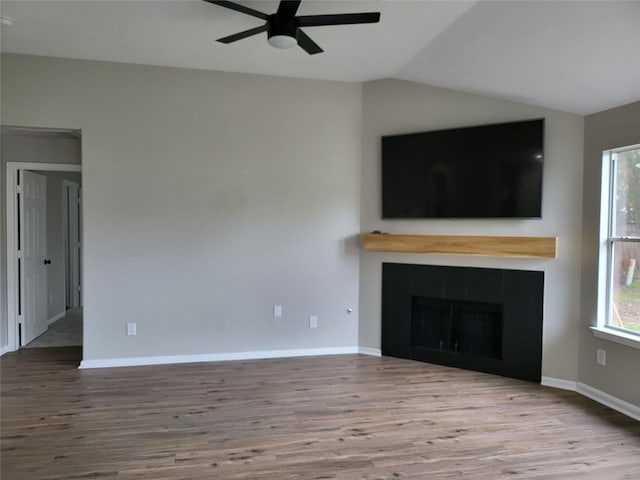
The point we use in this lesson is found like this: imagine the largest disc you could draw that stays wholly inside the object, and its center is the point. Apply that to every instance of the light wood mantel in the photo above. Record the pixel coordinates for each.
(528, 247)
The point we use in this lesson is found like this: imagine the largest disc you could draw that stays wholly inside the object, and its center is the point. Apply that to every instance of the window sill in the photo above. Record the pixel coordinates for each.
(612, 335)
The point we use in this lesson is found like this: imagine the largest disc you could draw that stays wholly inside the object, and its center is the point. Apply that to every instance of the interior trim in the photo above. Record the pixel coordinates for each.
(617, 336)
(214, 357)
(374, 352)
(610, 401)
(617, 404)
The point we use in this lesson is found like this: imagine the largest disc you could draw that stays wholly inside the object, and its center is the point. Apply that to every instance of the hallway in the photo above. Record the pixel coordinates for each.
(66, 332)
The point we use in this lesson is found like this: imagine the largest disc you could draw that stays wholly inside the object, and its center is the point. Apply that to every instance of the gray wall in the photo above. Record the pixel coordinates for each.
(202, 210)
(39, 146)
(391, 107)
(33, 147)
(208, 198)
(614, 128)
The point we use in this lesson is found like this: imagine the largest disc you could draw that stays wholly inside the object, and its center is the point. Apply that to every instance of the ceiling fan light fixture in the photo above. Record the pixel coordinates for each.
(282, 41)
(282, 32)
(283, 26)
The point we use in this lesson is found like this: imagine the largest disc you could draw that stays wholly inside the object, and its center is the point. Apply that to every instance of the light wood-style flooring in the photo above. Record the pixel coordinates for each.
(341, 417)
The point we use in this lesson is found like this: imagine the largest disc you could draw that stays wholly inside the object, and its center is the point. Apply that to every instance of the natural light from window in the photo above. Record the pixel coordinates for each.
(623, 243)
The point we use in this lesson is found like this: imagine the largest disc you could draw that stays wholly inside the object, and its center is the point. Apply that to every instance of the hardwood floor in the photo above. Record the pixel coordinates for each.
(340, 417)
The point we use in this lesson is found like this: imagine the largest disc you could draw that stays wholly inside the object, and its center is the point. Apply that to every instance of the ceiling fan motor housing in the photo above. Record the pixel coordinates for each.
(278, 26)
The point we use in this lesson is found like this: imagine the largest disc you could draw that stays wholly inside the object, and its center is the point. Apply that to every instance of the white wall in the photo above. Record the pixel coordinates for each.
(613, 128)
(208, 198)
(394, 107)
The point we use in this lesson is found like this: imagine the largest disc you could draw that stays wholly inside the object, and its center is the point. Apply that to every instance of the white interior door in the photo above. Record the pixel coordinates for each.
(73, 247)
(33, 251)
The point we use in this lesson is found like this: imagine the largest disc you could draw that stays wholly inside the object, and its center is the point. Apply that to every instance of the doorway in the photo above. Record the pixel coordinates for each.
(63, 238)
(33, 306)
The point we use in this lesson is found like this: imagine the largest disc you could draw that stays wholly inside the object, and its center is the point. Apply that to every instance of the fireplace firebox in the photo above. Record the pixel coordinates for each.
(489, 320)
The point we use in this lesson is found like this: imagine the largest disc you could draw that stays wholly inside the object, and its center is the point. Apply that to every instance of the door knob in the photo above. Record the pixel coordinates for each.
(47, 262)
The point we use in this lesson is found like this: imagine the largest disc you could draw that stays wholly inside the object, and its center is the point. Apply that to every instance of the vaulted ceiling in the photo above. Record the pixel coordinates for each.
(575, 56)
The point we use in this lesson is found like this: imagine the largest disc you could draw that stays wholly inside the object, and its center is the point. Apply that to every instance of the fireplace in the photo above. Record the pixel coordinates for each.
(489, 320)
(459, 326)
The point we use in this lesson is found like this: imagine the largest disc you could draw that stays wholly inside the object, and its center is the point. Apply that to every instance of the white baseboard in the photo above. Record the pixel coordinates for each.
(214, 357)
(4, 350)
(55, 318)
(559, 383)
(599, 396)
(374, 352)
(610, 401)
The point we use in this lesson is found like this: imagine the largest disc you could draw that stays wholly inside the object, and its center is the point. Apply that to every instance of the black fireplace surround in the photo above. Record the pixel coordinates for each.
(483, 319)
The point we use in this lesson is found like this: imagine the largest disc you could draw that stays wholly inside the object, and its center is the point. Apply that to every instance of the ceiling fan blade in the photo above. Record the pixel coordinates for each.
(338, 19)
(247, 33)
(307, 44)
(239, 8)
(288, 8)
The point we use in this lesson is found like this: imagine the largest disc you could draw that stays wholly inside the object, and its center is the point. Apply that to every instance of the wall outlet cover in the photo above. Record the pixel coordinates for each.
(601, 357)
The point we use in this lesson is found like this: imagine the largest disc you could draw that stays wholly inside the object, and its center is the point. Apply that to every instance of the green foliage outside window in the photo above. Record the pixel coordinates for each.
(625, 308)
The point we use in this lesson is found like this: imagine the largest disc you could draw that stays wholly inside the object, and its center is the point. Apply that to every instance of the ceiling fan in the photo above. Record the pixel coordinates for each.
(283, 27)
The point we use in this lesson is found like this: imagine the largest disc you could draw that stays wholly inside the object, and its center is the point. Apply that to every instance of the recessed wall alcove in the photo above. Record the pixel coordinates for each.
(483, 319)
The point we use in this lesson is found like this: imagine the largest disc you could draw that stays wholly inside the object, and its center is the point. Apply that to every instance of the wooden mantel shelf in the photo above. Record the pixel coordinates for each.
(528, 247)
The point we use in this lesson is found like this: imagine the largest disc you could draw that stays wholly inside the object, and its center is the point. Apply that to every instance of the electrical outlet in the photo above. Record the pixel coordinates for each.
(131, 328)
(601, 357)
(313, 321)
(277, 311)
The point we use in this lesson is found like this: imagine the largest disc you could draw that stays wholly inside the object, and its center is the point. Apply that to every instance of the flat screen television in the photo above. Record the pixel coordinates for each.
(487, 171)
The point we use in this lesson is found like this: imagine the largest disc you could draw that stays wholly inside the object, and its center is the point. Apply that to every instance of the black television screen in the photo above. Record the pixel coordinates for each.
(488, 171)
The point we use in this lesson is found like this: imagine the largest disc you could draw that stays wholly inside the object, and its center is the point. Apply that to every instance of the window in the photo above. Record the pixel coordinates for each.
(622, 197)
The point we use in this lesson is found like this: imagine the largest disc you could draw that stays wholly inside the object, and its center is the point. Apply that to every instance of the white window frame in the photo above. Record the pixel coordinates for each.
(605, 263)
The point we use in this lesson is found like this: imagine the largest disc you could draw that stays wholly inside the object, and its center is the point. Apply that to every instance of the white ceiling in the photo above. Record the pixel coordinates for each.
(576, 56)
